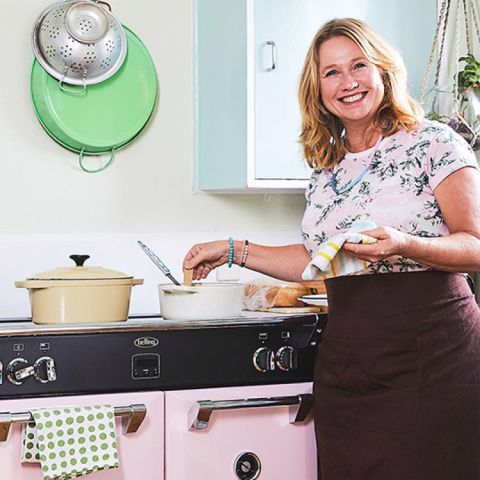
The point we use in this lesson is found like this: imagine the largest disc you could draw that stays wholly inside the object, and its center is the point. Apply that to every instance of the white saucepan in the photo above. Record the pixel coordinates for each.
(202, 301)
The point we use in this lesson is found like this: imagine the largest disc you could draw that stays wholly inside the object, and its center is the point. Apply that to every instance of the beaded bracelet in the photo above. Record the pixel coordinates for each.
(244, 253)
(230, 252)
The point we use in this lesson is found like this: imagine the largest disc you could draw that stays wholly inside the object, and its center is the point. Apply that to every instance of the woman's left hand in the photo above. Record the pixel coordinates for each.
(390, 242)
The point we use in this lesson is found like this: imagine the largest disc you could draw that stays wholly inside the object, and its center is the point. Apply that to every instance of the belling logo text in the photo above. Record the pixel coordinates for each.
(146, 342)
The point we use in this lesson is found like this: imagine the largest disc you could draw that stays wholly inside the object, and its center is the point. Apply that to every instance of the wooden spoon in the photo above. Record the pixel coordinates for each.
(187, 277)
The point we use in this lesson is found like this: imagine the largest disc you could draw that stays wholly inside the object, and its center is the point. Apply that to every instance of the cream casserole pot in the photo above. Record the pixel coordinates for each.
(201, 301)
(79, 294)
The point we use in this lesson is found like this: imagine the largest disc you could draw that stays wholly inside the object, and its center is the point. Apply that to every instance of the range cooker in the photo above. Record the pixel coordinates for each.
(219, 399)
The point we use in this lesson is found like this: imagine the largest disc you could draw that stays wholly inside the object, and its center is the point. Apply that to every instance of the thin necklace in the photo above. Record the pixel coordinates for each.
(352, 183)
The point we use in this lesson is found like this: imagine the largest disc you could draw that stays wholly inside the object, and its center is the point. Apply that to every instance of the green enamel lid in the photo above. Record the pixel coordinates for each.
(109, 114)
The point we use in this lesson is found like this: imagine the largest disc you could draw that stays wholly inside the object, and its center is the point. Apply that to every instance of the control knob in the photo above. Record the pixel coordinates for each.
(287, 358)
(44, 370)
(264, 360)
(18, 371)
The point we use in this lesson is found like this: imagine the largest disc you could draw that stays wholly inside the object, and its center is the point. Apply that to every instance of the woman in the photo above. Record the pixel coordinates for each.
(397, 377)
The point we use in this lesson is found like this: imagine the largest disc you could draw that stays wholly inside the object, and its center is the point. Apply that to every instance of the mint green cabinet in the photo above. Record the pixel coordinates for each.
(248, 58)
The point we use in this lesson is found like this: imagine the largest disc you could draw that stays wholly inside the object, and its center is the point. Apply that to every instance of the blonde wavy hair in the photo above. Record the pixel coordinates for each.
(321, 134)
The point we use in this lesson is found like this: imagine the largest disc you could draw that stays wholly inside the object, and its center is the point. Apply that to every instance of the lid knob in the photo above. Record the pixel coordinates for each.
(79, 259)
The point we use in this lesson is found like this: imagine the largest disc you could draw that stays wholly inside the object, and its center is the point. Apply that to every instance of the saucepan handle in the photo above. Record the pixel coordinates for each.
(199, 414)
(95, 170)
(105, 3)
(74, 91)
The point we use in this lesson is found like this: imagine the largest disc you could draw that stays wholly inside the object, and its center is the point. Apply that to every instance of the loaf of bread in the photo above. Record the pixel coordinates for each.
(260, 295)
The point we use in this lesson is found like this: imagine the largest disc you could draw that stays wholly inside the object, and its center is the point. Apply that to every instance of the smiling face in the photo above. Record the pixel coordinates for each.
(351, 86)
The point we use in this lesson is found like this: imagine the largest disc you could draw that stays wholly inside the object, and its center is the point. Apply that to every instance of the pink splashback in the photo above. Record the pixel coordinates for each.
(140, 453)
(286, 451)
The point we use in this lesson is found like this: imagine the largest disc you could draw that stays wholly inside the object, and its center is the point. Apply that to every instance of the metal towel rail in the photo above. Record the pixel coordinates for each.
(135, 413)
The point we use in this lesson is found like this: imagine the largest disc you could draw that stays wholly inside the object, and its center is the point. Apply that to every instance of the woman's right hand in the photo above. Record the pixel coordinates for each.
(204, 257)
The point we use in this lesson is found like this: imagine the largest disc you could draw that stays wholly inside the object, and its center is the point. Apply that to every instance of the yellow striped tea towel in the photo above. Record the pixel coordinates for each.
(331, 261)
(71, 441)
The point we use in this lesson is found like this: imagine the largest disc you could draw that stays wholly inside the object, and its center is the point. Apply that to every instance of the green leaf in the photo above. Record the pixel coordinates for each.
(469, 77)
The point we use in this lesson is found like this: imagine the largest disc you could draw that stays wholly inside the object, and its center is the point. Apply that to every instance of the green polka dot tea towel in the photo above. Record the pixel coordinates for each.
(71, 441)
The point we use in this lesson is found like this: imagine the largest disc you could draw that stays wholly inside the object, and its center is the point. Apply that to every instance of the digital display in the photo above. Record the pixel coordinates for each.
(145, 365)
(146, 362)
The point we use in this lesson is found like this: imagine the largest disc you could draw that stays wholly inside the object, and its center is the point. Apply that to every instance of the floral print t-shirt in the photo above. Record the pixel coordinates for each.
(396, 191)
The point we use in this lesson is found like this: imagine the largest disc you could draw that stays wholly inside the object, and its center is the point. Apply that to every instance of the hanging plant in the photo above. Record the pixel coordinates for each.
(466, 119)
(464, 115)
(469, 77)
(468, 87)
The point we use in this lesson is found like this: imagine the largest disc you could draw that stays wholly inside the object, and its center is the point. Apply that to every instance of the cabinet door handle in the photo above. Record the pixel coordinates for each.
(199, 414)
(273, 46)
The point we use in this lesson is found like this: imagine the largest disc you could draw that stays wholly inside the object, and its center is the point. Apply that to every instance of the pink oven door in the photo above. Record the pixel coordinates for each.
(140, 453)
(222, 440)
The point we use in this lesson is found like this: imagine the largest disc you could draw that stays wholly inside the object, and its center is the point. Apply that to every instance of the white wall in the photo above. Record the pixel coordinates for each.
(49, 208)
(25, 255)
(149, 186)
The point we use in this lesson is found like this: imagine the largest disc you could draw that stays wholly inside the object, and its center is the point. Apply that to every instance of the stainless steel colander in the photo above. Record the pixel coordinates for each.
(79, 42)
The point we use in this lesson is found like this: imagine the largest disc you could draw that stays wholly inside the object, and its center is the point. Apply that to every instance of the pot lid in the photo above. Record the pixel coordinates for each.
(80, 272)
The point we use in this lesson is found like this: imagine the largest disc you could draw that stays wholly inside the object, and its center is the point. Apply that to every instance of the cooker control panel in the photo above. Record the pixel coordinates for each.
(166, 356)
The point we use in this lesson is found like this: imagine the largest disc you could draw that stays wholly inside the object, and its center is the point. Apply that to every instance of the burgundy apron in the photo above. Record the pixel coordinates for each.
(397, 379)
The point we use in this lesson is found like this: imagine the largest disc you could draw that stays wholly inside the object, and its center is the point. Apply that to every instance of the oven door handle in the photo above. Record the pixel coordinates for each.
(199, 414)
(136, 414)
